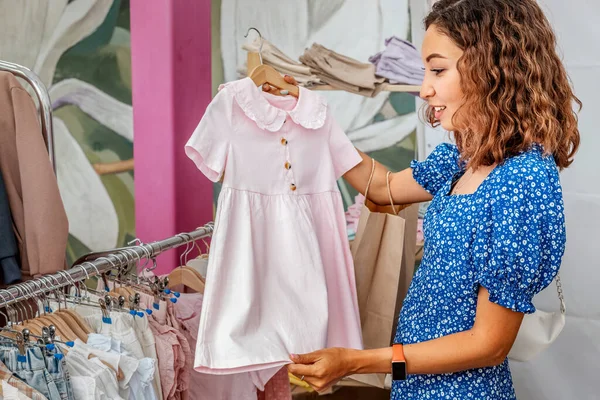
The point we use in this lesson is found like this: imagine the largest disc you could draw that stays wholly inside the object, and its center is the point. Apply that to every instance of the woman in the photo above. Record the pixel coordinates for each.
(494, 231)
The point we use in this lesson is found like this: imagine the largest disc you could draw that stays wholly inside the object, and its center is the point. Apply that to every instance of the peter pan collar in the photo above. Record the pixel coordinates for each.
(310, 110)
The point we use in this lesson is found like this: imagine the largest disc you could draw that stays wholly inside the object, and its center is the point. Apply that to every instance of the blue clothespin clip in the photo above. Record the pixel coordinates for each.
(105, 310)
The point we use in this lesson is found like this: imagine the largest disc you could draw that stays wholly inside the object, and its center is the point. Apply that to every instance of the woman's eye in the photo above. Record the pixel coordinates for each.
(437, 71)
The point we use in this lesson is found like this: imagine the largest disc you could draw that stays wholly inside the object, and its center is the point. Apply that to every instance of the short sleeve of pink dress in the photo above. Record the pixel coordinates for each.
(280, 276)
(343, 154)
(209, 143)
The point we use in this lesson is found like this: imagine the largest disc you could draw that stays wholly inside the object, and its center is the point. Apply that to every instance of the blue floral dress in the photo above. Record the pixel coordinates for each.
(508, 236)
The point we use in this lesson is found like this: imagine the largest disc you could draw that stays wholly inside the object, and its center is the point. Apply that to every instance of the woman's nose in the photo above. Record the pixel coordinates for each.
(427, 90)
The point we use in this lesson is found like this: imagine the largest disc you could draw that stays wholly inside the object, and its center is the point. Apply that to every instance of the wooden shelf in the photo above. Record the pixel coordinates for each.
(388, 87)
(401, 88)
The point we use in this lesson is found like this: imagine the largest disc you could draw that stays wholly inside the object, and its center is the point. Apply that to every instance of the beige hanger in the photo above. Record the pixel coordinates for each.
(120, 375)
(68, 319)
(71, 319)
(79, 321)
(65, 332)
(187, 277)
(33, 324)
(261, 74)
(252, 61)
(267, 74)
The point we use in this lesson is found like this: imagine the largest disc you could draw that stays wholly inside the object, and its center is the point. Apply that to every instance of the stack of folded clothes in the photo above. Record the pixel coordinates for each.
(399, 63)
(274, 57)
(342, 72)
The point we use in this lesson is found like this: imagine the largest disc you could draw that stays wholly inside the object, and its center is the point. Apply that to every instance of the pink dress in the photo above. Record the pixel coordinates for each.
(280, 277)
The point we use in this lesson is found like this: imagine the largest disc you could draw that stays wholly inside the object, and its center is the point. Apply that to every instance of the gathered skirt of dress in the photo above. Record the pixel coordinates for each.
(279, 281)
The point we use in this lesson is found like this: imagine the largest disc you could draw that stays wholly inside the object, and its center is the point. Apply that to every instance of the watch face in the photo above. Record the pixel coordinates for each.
(399, 370)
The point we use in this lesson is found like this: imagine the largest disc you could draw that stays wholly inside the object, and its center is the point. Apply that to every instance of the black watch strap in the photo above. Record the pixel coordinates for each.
(398, 363)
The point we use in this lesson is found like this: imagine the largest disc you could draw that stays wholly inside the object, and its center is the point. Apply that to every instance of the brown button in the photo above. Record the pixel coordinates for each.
(292, 187)
(288, 165)
(284, 141)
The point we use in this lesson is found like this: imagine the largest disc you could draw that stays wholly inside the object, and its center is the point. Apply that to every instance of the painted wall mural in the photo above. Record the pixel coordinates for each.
(81, 51)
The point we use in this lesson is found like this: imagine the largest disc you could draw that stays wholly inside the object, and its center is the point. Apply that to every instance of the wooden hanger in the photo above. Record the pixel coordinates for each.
(66, 324)
(184, 275)
(124, 291)
(187, 277)
(267, 74)
(253, 60)
(80, 321)
(119, 373)
(72, 323)
(34, 327)
(261, 74)
(63, 330)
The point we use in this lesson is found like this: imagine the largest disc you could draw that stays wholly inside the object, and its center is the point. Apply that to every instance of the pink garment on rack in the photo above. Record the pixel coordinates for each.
(205, 386)
(171, 360)
(280, 277)
(183, 380)
(175, 355)
(278, 388)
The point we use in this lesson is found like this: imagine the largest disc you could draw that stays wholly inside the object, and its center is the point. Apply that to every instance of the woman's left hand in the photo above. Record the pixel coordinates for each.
(322, 369)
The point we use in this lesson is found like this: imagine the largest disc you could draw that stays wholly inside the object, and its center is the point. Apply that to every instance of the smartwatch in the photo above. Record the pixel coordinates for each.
(398, 363)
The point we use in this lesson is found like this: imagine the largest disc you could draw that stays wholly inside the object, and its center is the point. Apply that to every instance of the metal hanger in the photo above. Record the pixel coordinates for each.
(261, 42)
(184, 275)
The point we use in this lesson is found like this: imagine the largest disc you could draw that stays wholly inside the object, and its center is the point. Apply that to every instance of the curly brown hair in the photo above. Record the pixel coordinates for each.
(515, 86)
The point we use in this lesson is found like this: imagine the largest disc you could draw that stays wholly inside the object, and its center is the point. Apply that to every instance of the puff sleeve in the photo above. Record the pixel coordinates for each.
(343, 153)
(209, 144)
(519, 249)
(437, 168)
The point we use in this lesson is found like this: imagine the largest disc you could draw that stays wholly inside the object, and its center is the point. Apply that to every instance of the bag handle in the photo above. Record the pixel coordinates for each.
(387, 181)
(370, 178)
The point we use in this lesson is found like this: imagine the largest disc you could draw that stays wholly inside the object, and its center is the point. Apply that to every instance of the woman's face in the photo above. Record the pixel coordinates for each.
(441, 86)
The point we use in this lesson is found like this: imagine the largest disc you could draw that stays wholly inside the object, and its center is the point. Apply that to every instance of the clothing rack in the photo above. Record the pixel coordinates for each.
(107, 261)
(44, 102)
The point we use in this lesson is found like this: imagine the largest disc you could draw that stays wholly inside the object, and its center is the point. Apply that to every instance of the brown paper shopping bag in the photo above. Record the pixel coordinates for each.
(384, 257)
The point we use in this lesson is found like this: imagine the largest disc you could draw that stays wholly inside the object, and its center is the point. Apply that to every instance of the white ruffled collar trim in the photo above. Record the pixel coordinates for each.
(310, 110)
